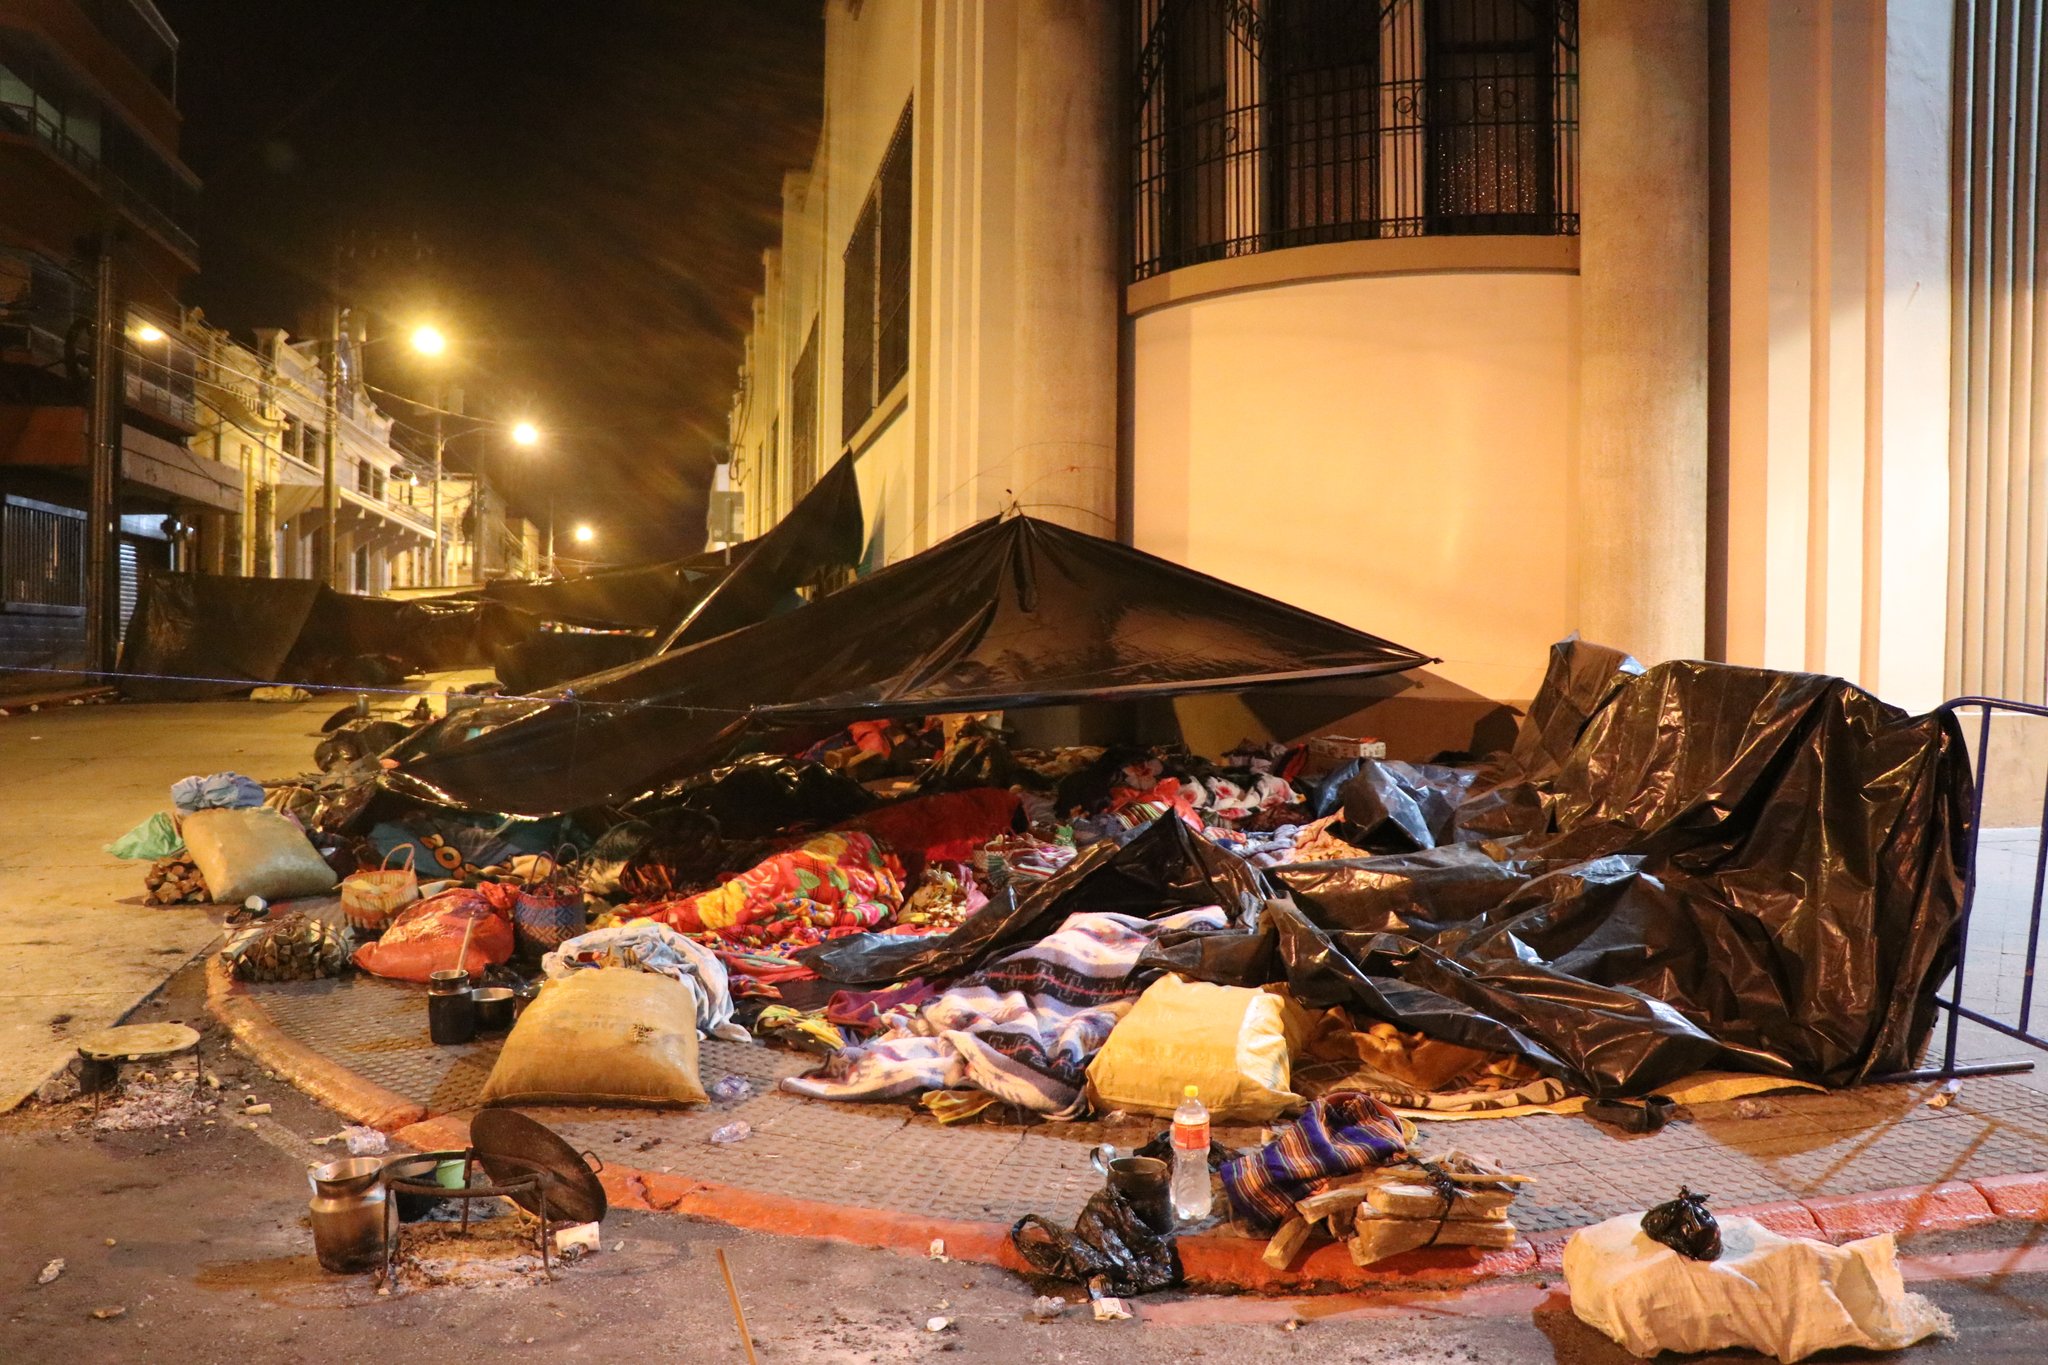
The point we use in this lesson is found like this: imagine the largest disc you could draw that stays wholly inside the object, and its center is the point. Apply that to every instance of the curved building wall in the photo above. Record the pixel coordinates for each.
(1395, 452)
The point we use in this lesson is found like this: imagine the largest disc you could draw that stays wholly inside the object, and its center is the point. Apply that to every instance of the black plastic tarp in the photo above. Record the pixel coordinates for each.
(822, 533)
(206, 635)
(548, 658)
(638, 596)
(1011, 612)
(1732, 868)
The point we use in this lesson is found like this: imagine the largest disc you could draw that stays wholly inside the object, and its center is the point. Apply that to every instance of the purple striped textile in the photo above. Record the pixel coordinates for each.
(1341, 1134)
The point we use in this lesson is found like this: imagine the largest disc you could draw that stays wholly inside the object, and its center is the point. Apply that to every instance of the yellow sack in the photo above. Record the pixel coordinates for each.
(1230, 1042)
(615, 1035)
(254, 851)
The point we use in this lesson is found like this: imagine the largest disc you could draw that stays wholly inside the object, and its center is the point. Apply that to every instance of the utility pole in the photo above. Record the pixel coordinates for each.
(103, 570)
(330, 492)
(440, 452)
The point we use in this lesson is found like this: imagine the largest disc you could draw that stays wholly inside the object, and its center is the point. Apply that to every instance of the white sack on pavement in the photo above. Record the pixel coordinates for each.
(1784, 1296)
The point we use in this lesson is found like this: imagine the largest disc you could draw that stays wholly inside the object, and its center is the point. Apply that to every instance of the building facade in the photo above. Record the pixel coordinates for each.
(88, 167)
(1690, 326)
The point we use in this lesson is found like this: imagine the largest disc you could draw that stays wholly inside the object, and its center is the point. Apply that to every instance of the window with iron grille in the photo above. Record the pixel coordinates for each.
(1264, 124)
(876, 322)
(42, 558)
(803, 416)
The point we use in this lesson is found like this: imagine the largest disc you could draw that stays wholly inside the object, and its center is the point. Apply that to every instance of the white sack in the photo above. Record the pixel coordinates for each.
(1784, 1296)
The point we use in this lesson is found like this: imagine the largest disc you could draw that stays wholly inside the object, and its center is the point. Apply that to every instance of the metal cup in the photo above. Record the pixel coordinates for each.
(1145, 1182)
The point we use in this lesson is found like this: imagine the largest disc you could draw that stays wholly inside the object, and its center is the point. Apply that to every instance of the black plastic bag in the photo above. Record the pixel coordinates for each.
(1685, 1226)
(1109, 1244)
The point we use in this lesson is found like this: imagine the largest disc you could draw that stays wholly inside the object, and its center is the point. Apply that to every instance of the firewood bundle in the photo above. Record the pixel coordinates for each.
(1452, 1200)
(176, 881)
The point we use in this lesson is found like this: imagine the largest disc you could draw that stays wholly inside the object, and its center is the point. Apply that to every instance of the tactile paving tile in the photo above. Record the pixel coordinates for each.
(893, 1156)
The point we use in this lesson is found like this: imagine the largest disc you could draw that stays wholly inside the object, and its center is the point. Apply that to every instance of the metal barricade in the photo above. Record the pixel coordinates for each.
(1955, 1002)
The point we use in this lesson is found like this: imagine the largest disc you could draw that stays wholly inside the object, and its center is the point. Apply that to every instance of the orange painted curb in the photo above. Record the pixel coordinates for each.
(2023, 1198)
(1209, 1261)
(329, 1082)
(1236, 1263)
(1931, 1208)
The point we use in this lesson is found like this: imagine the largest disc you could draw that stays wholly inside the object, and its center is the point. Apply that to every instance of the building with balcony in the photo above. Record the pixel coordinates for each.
(385, 496)
(89, 161)
(1698, 327)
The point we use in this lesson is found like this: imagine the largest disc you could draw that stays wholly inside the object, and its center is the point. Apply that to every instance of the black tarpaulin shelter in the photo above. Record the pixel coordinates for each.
(207, 635)
(822, 533)
(1728, 868)
(1719, 868)
(636, 596)
(1011, 612)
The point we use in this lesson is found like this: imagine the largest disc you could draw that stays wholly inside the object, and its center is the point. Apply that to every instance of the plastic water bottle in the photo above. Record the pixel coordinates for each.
(1191, 1158)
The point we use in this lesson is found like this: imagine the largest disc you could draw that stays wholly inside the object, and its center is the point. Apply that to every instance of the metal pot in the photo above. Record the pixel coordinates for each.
(493, 1008)
(451, 1017)
(347, 1211)
(418, 1169)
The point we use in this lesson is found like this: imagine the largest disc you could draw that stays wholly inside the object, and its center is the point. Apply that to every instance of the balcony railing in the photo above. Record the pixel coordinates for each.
(1283, 123)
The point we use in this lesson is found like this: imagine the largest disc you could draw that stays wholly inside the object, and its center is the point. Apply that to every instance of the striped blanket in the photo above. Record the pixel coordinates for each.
(1023, 1029)
(1340, 1135)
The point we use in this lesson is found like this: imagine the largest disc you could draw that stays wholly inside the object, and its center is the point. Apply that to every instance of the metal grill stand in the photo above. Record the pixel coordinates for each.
(533, 1183)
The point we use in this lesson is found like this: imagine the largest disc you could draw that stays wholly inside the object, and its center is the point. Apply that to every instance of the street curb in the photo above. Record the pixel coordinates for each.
(334, 1085)
(1237, 1264)
(1209, 1261)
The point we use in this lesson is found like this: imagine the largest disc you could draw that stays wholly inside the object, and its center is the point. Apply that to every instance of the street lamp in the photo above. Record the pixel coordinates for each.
(427, 339)
(149, 334)
(525, 434)
(584, 535)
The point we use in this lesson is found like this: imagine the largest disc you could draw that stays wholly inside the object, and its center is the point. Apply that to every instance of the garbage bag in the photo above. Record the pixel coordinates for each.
(769, 795)
(1110, 1248)
(1740, 869)
(157, 837)
(1787, 1297)
(1684, 1225)
(1165, 869)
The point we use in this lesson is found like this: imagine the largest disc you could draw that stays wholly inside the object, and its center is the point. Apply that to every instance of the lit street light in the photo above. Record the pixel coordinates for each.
(149, 333)
(525, 434)
(584, 535)
(427, 339)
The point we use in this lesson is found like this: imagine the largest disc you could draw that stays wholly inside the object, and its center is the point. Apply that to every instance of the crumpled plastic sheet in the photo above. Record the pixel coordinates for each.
(1739, 869)
(1111, 1248)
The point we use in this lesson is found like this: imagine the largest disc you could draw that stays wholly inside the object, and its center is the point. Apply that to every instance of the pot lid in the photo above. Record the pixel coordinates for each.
(573, 1190)
(136, 1042)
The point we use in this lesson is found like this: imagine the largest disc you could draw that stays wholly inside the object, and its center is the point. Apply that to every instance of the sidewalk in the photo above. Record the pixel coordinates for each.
(885, 1175)
(81, 946)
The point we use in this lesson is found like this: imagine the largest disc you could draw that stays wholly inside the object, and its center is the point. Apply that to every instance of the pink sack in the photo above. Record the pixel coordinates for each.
(427, 935)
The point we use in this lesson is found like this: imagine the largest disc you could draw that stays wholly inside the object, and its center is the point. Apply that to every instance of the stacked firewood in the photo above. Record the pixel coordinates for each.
(176, 881)
(1452, 1200)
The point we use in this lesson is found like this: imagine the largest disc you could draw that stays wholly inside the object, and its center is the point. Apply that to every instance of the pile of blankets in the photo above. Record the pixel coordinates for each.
(1023, 1029)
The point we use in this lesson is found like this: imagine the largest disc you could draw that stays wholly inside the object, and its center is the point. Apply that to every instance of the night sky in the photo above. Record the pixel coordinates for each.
(577, 193)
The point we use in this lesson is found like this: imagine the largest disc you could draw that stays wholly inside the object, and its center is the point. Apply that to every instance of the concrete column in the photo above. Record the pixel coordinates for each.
(1639, 506)
(1067, 268)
